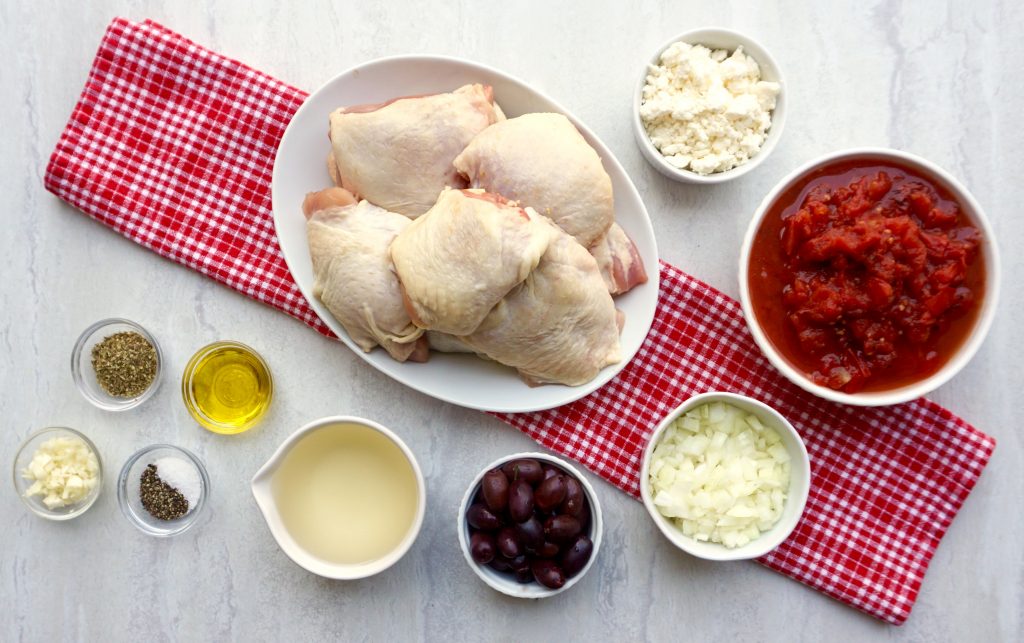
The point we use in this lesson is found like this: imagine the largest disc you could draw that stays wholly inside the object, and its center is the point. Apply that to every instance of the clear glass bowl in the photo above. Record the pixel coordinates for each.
(195, 407)
(24, 456)
(85, 375)
(128, 491)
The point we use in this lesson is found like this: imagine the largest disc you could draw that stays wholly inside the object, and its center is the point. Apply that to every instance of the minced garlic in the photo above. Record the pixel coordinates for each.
(64, 471)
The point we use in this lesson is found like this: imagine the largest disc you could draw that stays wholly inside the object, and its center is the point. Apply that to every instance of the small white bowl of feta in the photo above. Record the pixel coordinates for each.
(725, 477)
(709, 106)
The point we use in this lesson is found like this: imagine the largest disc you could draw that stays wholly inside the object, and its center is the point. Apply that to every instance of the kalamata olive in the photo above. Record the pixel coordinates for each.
(525, 469)
(572, 503)
(508, 543)
(481, 547)
(524, 575)
(548, 550)
(531, 534)
(547, 573)
(584, 518)
(520, 501)
(561, 529)
(499, 564)
(550, 472)
(519, 562)
(550, 493)
(480, 517)
(494, 488)
(576, 556)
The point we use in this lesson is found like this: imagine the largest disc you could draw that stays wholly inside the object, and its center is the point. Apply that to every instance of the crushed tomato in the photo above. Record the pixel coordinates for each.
(865, 275)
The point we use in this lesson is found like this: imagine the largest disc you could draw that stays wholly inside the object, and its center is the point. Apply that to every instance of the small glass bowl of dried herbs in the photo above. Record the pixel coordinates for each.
(162, 489)
(116, 364)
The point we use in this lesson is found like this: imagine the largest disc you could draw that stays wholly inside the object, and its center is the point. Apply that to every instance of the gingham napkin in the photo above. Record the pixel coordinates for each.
(172, 145)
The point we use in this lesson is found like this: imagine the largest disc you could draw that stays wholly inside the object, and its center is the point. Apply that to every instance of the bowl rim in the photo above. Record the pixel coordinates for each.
(111, 403)
(768, 540)
(82, 507)
(263, 494)
(122, 491)
(972, 343)
(763, 57)
(511, 587)
(189, 372)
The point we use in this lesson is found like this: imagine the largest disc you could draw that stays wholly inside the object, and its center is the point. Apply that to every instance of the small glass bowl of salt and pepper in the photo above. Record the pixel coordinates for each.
(116, 364)
(162, 489)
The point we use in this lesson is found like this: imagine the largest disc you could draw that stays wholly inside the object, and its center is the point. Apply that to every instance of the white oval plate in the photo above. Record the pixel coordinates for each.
(464, 380)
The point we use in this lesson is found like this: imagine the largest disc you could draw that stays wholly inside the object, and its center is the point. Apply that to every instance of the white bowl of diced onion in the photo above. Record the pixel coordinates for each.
(725, 477)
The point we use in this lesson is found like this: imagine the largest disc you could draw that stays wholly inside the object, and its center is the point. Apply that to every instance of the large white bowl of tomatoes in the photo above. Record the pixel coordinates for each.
(869, 276)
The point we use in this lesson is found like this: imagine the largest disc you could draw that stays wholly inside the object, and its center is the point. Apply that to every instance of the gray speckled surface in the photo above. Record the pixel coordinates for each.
(941, 80)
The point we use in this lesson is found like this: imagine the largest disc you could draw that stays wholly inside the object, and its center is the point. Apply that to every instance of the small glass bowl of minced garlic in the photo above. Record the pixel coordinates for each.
(116, 364)
(58, 473)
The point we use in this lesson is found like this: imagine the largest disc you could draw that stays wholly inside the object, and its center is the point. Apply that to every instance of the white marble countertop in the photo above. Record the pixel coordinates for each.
(935, 79)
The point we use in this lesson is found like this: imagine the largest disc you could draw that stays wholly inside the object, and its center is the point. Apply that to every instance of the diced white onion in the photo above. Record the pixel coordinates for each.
(720, 475)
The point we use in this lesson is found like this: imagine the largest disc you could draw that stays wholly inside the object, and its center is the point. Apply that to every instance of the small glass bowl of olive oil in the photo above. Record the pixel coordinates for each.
(227, 387)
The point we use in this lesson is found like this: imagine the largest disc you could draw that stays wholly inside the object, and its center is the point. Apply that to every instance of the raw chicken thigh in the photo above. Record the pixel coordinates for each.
(451, 228)
(560, 325)
(619, 260)
(460, 258)
(327, 198)
(353, 274)
(445, 343)
(542, 161)
(398, 154)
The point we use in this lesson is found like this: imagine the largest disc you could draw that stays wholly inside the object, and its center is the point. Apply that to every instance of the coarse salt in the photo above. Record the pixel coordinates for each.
(181, 475)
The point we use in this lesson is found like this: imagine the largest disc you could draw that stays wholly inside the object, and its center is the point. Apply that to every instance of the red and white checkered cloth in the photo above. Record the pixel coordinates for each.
(172, 145)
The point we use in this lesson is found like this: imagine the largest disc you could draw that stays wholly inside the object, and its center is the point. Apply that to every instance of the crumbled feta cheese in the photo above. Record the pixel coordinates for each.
(707, 111)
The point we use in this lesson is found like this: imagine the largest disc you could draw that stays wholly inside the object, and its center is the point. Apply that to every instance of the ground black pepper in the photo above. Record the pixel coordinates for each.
(160, 499)
(125, 364)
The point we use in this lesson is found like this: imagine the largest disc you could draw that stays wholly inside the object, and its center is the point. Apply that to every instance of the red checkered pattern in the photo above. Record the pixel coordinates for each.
(885, 482)
(172, 145)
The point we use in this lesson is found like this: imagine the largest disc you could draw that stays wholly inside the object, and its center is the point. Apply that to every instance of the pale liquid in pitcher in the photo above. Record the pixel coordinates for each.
(347, 494)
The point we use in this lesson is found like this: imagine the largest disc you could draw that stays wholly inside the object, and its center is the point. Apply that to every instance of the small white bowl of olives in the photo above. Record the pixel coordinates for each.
(530, 525)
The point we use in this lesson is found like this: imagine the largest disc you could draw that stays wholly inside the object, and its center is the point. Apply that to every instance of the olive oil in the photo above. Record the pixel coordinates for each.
(227, 387)
(347, 494)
